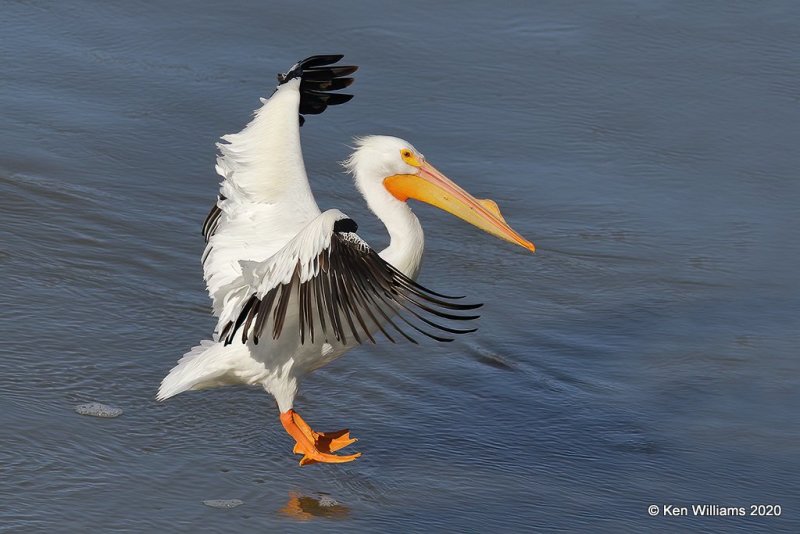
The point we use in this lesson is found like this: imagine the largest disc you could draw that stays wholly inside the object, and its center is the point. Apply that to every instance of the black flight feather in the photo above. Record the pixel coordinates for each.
(354, 293)
(318, 77)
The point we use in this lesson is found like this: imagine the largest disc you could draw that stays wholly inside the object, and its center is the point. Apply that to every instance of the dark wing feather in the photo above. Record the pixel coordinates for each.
(211, 224)
(317, 79)
(212, 219)
(355, 294)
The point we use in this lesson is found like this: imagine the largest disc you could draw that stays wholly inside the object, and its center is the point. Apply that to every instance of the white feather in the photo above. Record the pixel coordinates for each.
(206, 365)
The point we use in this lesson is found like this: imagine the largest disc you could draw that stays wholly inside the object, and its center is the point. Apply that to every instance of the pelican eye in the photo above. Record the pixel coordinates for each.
(409, 157)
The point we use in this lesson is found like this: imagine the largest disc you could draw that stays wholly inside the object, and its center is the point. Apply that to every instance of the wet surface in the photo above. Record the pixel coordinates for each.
(647, 353)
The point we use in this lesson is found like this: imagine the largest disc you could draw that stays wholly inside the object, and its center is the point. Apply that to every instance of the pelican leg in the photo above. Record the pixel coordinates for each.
(316, 446)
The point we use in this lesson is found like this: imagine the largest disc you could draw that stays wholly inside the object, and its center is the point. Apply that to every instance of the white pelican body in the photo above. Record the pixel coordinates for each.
(293, 287)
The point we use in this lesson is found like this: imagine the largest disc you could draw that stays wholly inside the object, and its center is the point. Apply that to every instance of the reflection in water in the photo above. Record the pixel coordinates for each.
(305, 508)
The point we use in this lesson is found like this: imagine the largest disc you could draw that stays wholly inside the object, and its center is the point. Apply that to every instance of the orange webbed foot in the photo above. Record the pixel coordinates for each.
(316, 446)
(328, 441)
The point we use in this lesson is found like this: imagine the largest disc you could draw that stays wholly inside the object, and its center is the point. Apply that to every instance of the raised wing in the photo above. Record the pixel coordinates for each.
(264, 161)
(333, 286)
(265, 197)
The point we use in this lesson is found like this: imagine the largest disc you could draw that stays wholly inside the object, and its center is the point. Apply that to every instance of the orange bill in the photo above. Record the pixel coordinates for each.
(436, 189)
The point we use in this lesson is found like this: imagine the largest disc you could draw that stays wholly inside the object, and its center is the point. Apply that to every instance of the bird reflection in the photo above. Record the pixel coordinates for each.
(305, 508)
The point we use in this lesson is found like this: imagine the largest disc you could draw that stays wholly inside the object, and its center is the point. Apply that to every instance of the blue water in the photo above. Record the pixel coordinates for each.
(646, 354)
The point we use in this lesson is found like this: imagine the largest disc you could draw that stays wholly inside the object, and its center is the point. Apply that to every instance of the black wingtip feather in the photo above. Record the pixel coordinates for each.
(333, 84)
(320, 61)
(318, 77)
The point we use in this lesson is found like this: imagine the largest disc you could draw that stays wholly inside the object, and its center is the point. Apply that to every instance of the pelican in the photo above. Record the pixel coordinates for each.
(294, 288)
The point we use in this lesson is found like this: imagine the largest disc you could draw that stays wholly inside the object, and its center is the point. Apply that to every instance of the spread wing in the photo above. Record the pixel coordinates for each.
(265, 197)
(327, 284)
(260, 158)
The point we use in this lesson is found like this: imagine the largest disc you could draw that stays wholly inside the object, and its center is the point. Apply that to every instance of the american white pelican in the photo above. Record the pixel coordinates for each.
(294, 288)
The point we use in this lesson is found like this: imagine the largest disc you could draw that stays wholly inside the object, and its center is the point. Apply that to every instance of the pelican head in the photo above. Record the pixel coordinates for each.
(392, 168)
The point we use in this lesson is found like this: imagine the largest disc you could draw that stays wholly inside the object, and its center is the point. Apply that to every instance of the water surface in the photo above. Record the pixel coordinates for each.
(646, 354)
